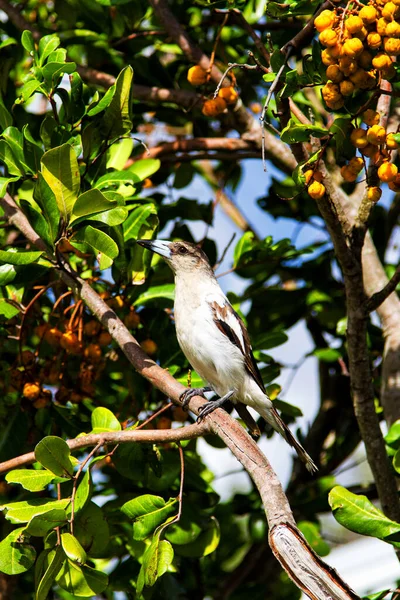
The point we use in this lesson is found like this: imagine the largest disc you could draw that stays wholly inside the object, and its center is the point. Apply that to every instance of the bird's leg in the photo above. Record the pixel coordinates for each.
(211, 405)
(188, 394)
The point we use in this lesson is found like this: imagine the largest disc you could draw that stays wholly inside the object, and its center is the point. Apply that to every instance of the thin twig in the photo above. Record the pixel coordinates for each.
(376, 299)
(230, 67)
(75, 484)
(218, 263)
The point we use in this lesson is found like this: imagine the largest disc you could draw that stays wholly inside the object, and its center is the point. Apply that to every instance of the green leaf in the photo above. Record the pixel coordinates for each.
(28, 42)
(61, 172)
(145, 168)
(16, 556)
(104, 420)
(54, 454)
(327, 354)
(47, 44)
(312, 534)
(148, 512)
(265, 341)
(6, 119)
(8, 310)
(294, 132)
(8, 158)
(102, 244)
(115, 179)
(357, 513)
(81, 581)
(7, 274)
(91, 529)
(31, 479)
(4, 183)
(244, 245)
(15, 140)
(28, 89)
(204, 544)
(24, 511)
(155, 293)
(55, 561)
(117, 118)
(19, 257)
(89, 203)
(392, 438)
(41, 524)
(53, 70)
(119, 153)
(140, 220)
(45, 197)
(156, 560)
(73, 549)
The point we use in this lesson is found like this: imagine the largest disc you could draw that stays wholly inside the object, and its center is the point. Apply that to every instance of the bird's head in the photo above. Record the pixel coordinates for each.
(182, 257)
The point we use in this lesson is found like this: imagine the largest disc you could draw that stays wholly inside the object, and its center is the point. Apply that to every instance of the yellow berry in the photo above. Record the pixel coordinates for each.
(327, 58)
(391, 143)
(376, 135)
(93, 353)
(387, 172)
(363, 79)
(347, 87)
(70, 342)
(356, 164)
(324, 20)
(196, 75)
(330, 91)
(365, 59)
(334, 74)
(229, 94)
(316, 190)
(392, 46)
(31, 391)
(328, 37)
(389, 11)
(352, 47)
(358, 138)
(368, 14)
(381, 61)
(354, 24)
(374, 40)
(347, 65)
(213, 107)
(370, 117)
(393, 29)
(348, 174)
(374, 193)
(312, 175)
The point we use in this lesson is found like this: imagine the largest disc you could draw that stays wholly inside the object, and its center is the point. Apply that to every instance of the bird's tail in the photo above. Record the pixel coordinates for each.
(274, 419)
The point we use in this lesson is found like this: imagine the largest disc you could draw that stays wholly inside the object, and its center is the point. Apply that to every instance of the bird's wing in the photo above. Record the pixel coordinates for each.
(230, 324)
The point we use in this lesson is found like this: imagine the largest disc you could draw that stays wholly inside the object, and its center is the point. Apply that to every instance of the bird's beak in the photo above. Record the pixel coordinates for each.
(158, 246)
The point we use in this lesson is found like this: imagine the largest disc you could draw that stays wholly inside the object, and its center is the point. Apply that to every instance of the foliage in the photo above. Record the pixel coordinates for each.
(80, 524)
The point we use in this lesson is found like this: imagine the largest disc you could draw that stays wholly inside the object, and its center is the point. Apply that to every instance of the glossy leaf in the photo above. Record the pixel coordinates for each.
(156, 560)
(19, 257)
(47, 45)
(73, 549)
(24, 511)
(45, 197)
(145, 168)
(89, 203)
(41, 524)
(204, 544)
(312, 534)
(16, 555)
(81, 581)
(117, 118)
(53, 566)
(54, 454)
(156, 292)
(61, 172)
(32, 480)
(104, 420)
(357, 513)
(119, 153)
(148, 512)
(91, 529)
(295, 132)
(100, 242)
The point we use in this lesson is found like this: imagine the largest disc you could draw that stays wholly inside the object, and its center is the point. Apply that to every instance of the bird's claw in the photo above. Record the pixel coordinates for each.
(188, 394)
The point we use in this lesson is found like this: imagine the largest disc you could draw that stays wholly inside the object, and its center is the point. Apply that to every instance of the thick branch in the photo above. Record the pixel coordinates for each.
(118, 437)
(207, 144)
(376, 300)
(305, 567)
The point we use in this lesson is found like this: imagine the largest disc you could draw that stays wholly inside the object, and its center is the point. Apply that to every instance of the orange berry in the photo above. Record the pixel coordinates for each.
(147, 183)
(312, 175)
(371, 117)
(368, 14)
(387, 172)
(93, 353)
(327, 58)
(255, 107)
(70, 342)
(389, 11)
(31, 391)
(395, 184)
(104, 339)
(324, 20)
(335, 104)
(334, 74)
(346, 87)
(376, 135)
(352, 47)
(391, 143)
(392, 46)
(393, 29)
(354, 24)
(92, 328)
(374, 193)
(374, 40)
(213, 107)
(356, 164)
(328, 37)
(229, 94)
(316, 190)
(381, 25)
(149, 346)
(196, 75)
(348, 174)
(358, 138)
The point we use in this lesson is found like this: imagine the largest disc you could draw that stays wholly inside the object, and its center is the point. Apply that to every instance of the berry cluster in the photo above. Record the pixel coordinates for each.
(214, 106)
(359, 46)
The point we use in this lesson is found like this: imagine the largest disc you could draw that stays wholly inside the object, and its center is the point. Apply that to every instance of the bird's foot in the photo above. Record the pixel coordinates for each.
(212, 405)
(188, 394)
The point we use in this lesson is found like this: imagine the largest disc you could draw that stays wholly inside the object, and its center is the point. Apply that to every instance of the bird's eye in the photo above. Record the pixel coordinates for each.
(182, 250)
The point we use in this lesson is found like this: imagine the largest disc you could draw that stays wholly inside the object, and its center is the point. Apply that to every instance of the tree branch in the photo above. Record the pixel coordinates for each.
(376, 300)
(303, 565)
(143, 436)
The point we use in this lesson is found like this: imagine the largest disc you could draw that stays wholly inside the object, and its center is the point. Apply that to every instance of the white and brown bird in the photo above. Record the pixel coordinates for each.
(214, 339)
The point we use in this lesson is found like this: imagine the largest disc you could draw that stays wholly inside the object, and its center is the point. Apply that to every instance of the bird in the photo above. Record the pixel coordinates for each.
(215, 340)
